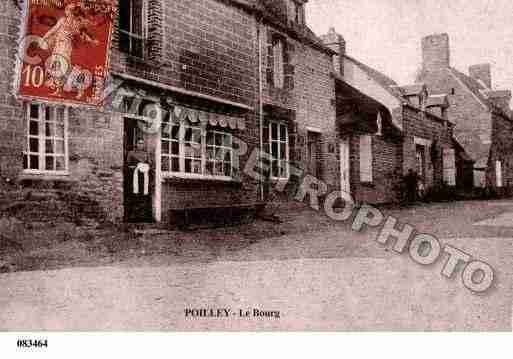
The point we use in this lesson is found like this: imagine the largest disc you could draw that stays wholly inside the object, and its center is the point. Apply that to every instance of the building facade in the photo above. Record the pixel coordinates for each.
(200, 91)
(228, 78)
(481, 115)
(388, 130)
(197, 61)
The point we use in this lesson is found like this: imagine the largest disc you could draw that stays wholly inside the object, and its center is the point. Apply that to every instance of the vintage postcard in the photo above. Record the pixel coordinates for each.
(255, 165)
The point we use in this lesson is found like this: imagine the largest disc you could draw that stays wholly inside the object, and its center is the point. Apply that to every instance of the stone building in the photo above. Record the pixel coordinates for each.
(198, 63)
(481, 114)
(298, 94)
(387, 130)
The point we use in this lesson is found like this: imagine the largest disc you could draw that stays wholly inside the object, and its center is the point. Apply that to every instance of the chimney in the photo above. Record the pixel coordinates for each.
(482, 72)
(435, 52)
(336, 42)
(501, 99)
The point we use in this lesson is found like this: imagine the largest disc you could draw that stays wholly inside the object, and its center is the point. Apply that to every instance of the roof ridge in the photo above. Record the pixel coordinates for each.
(384, 80)
(468, 82)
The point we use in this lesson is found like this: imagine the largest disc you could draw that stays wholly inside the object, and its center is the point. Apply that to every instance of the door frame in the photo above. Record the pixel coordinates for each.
(345, 166)
(157, 193)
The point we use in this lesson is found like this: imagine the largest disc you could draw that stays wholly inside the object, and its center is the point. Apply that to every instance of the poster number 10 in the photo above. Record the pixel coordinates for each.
(34, 76)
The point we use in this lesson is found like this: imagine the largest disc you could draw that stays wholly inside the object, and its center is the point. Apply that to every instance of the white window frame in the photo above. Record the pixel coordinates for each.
(498, 174)
(42, 139)
(183, 125)
(279, 142)
(144, 36)
(225, 148)
(367, 169)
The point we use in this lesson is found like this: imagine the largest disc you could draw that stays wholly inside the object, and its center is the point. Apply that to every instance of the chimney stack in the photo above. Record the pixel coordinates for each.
(435, 52)
(336, 42)
(482, 72)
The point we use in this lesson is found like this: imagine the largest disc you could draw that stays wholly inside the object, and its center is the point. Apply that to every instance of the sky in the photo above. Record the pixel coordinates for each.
(386, 34)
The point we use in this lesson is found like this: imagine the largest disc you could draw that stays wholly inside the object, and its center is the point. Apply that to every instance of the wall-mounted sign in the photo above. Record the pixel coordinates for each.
(64, 50)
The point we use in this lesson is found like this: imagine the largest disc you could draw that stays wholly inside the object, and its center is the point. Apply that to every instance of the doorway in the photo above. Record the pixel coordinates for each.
(137, 188)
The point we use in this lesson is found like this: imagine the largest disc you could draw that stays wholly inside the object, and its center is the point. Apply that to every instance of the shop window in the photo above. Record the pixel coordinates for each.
(366, 159)
(190, 150)
(219, 153)
(276, 144)
(46, 149)
(132, 27)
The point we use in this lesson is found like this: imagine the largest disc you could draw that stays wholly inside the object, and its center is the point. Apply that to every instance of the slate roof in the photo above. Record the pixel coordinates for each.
(481, 92)
(437, 100)
(415, 89)
(386, 82)
(473, 85)
(275, 12)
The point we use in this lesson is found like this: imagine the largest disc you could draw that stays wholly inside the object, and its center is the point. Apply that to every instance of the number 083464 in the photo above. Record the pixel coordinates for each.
(29, 343)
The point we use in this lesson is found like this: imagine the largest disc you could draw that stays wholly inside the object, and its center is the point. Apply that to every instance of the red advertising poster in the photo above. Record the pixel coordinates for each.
(64, 50)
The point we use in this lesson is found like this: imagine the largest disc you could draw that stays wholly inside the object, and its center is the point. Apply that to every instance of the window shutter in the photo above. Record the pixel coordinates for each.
(498, 173)
(278, 51)
(366, 159)
(449, 163)
(270, 59)
(289, 69)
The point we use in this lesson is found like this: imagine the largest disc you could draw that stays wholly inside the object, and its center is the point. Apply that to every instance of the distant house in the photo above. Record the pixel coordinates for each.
(388, 130)
(481, 115)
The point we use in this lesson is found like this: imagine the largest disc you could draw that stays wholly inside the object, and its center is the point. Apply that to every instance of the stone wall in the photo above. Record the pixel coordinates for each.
(309, 94)
(394, 154)
(206, 47)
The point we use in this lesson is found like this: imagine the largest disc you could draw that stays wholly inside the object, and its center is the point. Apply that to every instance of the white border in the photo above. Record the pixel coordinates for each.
(262, 345)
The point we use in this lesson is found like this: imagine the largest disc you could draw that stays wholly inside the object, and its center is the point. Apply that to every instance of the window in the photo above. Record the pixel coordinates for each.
(47, 147)
(280, 58)
(132, 27)
(297, 12)
(219, 153)
(366, 157)
(449, 164)
(498, 173)
(278, 68)
(186, 151)
(276, 142)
